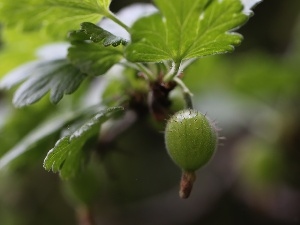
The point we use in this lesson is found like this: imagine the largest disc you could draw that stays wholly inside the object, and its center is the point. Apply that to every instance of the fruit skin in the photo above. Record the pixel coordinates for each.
(190, 139)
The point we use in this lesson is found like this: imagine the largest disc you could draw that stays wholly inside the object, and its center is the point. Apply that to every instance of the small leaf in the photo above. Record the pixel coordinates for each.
(186, 29)
(93, 59)
(59, 16)
(67, 156)
(57, 76)
(90, 31)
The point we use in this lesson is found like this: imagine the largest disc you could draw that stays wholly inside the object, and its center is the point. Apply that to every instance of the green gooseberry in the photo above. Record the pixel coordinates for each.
(191, 140)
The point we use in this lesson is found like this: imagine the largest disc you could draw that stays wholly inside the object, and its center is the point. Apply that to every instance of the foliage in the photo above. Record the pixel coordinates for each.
(67, 155)
(103, 85)
(90, 31)
(57, 76)
(33, 14)
(187, 29)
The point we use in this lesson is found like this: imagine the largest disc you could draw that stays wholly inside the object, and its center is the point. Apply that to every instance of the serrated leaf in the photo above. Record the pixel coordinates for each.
(90, 31)
(67, 156)
(93, 59)
(59, 16)
(18, 75)
(51, 125)
(59, 77)
(186, 29)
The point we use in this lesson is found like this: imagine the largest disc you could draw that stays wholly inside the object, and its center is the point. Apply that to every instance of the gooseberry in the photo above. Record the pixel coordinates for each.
(191, 140)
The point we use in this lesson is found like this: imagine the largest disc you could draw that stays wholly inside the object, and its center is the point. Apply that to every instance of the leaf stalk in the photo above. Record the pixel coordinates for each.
(174, 72)
(112, 16)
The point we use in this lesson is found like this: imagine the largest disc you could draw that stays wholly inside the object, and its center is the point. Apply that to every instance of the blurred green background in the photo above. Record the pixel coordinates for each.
(254, 178)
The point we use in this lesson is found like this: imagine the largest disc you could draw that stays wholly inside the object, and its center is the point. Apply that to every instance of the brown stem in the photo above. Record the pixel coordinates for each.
(84, 216)
(186, 184)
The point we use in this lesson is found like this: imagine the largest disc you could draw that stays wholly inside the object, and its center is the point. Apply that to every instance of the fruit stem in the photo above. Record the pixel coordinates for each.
(186, 92)
(186, 183)
(84, 216)
(188, 100)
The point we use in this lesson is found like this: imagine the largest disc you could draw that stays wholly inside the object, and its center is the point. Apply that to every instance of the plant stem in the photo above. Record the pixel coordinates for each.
(112, 16)
(186, 63)
(174, 72)
(186, 183)
(146, 71)
(84, 216)
(140, 67)
(188, 100)
(186, 92)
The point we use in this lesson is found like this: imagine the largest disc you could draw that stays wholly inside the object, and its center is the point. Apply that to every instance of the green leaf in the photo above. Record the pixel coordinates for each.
(48, 127)
(93, 59)
(58, 16)
(90, 31)
(57, 76)
(67, 156)
(185, 29)
(20, 135)
(18, 75)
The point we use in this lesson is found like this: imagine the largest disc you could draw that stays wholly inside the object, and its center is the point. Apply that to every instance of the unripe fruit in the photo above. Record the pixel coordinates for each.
(191, 140)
